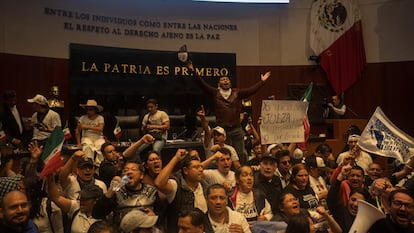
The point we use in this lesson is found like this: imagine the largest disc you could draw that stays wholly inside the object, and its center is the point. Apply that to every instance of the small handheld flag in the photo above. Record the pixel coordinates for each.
(306, 98)
(117, 131)
(66, 132)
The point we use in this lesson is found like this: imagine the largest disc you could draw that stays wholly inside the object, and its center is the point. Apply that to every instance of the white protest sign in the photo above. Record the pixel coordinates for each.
(282, 121)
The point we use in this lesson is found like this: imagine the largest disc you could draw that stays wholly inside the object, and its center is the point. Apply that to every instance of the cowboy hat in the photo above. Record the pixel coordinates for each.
(92, 103)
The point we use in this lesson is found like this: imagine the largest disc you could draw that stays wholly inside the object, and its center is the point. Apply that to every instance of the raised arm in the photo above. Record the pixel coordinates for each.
(146, 139)
(335, 228)
(215, 156)
(63, 203)
(161, 182)
(67, 169)
(205, 126)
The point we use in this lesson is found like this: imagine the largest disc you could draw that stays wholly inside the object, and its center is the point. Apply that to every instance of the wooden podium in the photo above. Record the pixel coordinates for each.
(340, 128)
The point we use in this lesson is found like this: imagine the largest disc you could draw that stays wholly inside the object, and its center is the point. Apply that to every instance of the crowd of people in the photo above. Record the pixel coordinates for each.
(265, 188)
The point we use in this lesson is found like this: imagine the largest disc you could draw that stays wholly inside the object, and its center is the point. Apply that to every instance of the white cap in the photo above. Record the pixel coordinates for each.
(39, 99)
(320, 163)
(137, 219)
(353, 136)
(220, 130)
(270, 147)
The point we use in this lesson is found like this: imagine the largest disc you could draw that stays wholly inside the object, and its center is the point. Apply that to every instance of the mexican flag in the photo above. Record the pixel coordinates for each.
(117, 130)
(66, 132)
(336, 36)
(306, 125)
(51, 154)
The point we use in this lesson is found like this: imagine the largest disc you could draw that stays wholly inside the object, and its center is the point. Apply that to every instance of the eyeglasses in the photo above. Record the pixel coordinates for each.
(398, 204)
(285, 162)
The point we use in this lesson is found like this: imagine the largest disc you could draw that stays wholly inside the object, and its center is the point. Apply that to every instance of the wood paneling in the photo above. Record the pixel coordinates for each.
(383, 84)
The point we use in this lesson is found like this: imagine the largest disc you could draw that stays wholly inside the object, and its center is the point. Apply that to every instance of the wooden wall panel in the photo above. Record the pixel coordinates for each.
(385, 84)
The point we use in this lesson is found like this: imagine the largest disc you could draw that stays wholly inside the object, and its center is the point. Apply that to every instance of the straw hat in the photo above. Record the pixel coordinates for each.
(92, 103)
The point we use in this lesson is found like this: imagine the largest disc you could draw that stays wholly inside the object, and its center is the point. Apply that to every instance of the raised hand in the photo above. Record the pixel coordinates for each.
(265, 76)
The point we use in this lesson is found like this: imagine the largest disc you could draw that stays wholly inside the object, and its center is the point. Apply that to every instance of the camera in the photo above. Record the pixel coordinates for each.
(325, 102)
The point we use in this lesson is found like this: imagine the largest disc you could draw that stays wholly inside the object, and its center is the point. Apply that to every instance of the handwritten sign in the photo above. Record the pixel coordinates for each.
(282, 121)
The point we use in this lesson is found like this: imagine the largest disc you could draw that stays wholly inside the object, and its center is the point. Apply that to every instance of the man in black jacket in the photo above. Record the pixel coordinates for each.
(270, 184)
(13, 125)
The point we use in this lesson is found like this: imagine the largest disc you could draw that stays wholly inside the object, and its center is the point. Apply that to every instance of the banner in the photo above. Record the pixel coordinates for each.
(336, 36)
(383, 138)
(121, 78)
(282, 121)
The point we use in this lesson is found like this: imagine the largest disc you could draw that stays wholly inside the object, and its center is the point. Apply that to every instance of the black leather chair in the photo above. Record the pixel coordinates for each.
(130, 126)
(177, 126)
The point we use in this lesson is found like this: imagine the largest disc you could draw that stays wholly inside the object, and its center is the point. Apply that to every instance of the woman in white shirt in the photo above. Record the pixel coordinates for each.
(89, 131)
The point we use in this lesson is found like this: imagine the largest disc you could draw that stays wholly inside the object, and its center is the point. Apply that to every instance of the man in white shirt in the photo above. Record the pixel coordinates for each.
(44, 120)
(85, 172)
(222, 175)
(220, 217)
(355, 155)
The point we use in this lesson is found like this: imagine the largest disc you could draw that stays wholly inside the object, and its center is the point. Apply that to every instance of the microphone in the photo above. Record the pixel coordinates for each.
(182, 133)
(352, 111)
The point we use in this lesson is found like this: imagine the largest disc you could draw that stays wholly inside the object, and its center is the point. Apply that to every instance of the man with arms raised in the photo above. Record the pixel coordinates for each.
(222, 175)
(184, 193)
(227, 102)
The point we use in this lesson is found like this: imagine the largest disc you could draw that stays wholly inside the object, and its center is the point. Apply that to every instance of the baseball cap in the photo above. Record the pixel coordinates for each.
(39, 99)
(90, 191)
(269, 156)
(83, 162)
(137, 219)
(220, 130)
(314, 161)
(270, 147)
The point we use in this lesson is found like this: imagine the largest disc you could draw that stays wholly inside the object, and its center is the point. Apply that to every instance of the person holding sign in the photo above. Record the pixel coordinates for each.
(227, 102)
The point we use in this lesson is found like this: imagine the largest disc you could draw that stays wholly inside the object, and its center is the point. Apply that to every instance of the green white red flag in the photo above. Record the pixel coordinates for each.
(51, 155)
(66, 132)
(336, 36)
(118, 130)
(306, 125)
